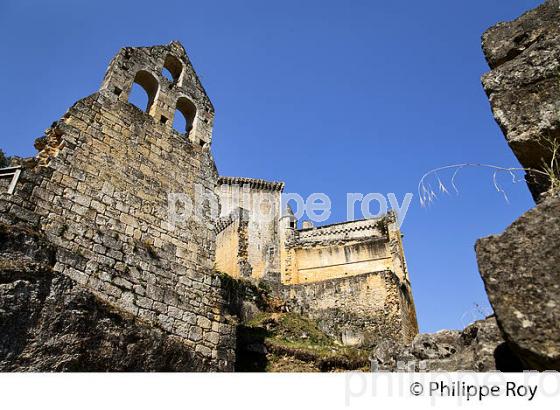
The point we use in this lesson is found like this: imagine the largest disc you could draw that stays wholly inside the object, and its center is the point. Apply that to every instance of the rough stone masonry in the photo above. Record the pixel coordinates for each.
(98, 191)
(93, 276)
(349, 276)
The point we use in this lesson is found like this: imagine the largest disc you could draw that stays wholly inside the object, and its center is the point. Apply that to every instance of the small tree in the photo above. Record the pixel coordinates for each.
(3, 159)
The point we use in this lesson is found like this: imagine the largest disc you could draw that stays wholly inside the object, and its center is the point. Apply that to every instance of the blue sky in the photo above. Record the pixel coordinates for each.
(328, 96)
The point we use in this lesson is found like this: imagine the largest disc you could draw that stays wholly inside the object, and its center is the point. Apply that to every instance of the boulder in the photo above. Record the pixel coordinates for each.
(521, 272)
(479, 347)
(524, 85)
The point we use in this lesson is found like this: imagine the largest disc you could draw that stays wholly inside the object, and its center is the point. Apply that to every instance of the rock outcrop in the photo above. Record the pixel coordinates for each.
(479, 347)
(521, 267)
(50, 323)
(521, 273)
(524, 85)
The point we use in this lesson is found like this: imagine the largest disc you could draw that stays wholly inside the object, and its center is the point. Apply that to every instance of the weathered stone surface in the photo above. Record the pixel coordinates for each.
(351, 276)
(103, 190)
(99, 191)
(50, 323)
(521, 273)
(479, 347)
(357, 310)
(521, 267)
(524, 84)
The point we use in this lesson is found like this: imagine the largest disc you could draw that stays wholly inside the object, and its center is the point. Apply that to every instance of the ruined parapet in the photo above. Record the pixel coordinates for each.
(232, 244)
(99, 192)
(17, 206)
(524, 86)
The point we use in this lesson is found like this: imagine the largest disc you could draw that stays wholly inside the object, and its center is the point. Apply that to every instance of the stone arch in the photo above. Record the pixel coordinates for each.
(187, 109)
(149, 84)
(174, 66)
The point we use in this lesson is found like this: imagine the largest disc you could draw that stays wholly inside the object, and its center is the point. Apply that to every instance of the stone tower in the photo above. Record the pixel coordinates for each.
(183, 95)
(100, 191)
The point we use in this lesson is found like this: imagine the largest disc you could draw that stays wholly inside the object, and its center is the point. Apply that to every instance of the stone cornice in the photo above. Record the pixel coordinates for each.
(252, 182)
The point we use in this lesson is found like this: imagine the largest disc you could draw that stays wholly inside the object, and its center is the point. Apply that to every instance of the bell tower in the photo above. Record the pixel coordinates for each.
(183, 94)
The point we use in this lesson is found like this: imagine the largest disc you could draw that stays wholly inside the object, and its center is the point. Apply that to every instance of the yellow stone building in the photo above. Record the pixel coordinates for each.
(352, 275)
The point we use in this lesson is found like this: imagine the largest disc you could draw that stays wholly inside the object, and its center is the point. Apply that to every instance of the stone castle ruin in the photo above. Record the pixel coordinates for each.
(104, 266)
(98, 194)
(351, 273)
(98, 191)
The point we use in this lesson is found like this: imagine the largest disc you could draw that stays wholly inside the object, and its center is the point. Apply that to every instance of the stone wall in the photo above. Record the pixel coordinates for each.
(99, 192)
(261, 200)
(337, 250)
(344, 249)
(232, 243)
(323, 262)
(365, 228)
(352, 276)
(358, 310)
(48, 322)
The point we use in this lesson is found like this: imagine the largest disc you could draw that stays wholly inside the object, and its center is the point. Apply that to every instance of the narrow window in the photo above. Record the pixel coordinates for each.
(143, 91)
(185, 114)
(172, 68)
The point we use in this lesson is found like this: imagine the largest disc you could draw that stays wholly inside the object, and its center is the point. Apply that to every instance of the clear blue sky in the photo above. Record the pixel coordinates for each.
(328, 96)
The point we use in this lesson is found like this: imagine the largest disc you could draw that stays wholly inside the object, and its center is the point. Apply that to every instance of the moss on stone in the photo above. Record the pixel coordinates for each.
(293, 342)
